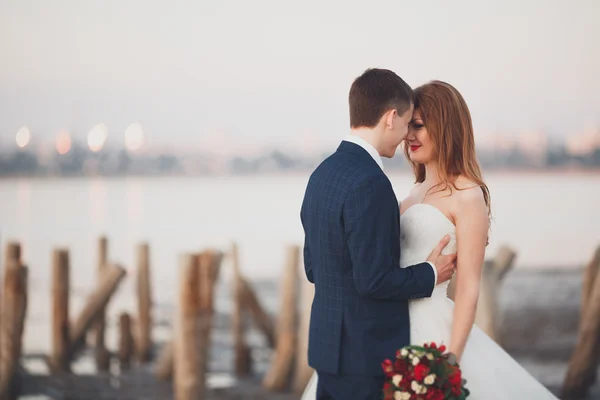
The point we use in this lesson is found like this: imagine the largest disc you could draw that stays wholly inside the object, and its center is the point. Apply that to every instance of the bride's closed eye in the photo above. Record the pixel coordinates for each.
(416, 125)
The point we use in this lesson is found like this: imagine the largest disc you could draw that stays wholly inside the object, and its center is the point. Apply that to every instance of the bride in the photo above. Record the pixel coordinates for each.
(450, 197)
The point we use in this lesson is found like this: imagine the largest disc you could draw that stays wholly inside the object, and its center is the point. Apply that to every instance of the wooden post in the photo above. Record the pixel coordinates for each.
(12, 255)
(13, 252)
(59, 360)
(583, 365)
(504, 262)
(144, 336)
(241, 351)
(126, 342)
(487, 307)
(209, 262)
(188, 382)
(303, 371)
(13, 321)
(164, 365)
(96, 303)
(278, 375)
(263, 321)
(102, 356)
(589, 280)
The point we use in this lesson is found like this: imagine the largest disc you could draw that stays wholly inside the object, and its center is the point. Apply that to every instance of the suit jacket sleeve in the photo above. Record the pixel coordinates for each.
(307, 256)
(308, 264)
(370, 216)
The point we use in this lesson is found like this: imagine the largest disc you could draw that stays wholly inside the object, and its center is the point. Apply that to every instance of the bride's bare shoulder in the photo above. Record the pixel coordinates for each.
(467, 195)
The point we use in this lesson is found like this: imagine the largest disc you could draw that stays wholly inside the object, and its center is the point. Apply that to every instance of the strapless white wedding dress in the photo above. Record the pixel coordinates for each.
(491, 373)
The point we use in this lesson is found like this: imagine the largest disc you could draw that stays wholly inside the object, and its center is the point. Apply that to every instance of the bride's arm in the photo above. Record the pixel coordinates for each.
(472, 224)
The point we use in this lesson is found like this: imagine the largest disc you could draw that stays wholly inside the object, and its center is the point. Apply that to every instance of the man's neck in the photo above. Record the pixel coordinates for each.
(368, 135)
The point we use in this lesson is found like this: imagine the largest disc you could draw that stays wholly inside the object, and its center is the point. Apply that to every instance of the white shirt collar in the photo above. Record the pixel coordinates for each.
(367, 146)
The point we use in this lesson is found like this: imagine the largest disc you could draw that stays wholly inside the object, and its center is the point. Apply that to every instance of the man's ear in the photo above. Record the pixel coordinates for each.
(389, 118)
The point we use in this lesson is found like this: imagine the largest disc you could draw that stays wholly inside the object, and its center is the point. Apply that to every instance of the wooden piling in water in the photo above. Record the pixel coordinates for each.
(164, 364)
(13, 252)
(112, 277)
(242, 359)
(188, 382)
(583, 366)
(144, 294)
(101, 355)
(12, 255)
(277, 378)
(59, 359)
(263, 321)
(13, 324)
(589, 280)
(208, 265)
(126, 342)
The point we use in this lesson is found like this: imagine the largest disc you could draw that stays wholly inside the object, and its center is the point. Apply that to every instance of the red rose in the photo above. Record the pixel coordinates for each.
(401, 366)
(421, 371)
(456, 378)
(388, 367)
(433, 345)
(442, 348)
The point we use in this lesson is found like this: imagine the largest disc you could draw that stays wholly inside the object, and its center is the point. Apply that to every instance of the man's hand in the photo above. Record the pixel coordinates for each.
(445, 265)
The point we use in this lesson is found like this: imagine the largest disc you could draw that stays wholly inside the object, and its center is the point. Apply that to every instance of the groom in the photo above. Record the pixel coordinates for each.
(350, 217)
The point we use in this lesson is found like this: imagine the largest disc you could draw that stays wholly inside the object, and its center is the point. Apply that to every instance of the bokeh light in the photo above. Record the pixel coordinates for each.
(23, 137)
(134, 136)
(97, 137)
(63, 142)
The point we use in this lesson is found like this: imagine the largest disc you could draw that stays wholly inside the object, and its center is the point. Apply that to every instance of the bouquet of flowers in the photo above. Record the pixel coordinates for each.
(423, 373)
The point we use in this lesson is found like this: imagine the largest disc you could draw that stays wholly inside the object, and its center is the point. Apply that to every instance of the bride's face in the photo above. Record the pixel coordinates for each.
(420, 145)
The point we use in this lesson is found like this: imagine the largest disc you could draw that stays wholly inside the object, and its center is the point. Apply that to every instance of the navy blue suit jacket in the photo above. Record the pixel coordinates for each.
(351, 218)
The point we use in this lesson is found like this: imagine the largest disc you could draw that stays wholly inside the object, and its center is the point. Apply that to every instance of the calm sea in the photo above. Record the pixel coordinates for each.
(552, 220)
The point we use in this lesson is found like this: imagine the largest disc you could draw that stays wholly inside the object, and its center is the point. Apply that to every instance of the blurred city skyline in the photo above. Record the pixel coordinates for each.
(240, 77)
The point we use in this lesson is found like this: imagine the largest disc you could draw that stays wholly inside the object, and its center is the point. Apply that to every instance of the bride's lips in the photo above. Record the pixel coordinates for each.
(414, 148)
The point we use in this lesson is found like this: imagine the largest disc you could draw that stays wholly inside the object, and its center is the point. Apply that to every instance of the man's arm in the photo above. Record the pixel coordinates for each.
(370, 213)
(308, 263)
(307, 257)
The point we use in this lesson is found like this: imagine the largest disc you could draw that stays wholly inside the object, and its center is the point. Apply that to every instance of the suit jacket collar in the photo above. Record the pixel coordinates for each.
(358, 150)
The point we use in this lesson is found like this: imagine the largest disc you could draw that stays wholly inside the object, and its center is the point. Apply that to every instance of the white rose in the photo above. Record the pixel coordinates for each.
(429, 379)
(415, 387)
(416, 361)
(430, 356)
(403, 352)
(401, 395)
(397, 379)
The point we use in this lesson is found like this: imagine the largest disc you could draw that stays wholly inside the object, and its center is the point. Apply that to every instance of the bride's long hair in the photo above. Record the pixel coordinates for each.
(448, 121)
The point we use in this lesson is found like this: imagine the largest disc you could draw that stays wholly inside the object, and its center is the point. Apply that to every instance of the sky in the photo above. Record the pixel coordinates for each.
(245, 74)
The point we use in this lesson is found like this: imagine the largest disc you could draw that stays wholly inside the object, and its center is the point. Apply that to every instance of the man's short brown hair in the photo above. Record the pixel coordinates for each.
(374, 93)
